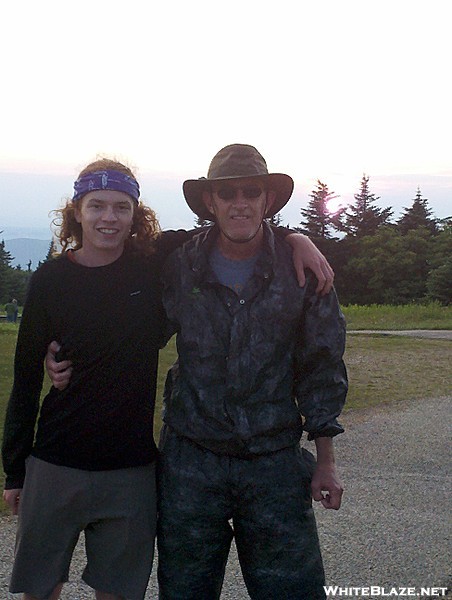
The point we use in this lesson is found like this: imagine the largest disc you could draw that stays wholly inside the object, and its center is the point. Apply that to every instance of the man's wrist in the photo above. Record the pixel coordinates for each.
(325, 452)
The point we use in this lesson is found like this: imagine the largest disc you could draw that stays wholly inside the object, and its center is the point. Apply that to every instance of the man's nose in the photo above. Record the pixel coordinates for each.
(240, 200)
(109, 214)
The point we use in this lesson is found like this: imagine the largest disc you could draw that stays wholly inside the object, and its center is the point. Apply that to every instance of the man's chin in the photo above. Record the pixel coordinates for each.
(240, 237)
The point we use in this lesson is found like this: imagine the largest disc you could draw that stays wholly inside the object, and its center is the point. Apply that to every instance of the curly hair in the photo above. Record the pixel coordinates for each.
(145, 226)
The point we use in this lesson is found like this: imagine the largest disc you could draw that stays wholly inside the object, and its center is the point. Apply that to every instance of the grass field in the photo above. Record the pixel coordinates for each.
(382, 369)
(409, 316)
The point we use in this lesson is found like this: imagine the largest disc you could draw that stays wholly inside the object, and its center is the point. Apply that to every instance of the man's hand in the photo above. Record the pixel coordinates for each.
(306, 255)
(326, 487)
(59, 372)
(11, 497)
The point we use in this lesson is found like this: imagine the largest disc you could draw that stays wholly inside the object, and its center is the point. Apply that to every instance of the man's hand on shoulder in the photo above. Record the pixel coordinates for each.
(306, 255)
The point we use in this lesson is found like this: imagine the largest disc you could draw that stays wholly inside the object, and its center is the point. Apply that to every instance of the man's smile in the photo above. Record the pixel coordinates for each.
(104, 230)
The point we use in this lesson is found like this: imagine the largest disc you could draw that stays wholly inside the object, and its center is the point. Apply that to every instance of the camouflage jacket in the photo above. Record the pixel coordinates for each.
(254, 370)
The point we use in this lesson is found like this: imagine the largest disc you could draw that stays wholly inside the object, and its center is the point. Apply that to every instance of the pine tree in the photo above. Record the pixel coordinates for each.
(418, 215)
(445, 224)
(199, 222)
(318, 219)
(50, 252)
(5, 272)
(275, 220)
(363, 218)
(5, 255)
(439, 283)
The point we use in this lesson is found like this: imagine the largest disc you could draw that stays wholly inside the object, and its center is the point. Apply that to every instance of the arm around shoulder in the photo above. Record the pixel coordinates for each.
(306, 255)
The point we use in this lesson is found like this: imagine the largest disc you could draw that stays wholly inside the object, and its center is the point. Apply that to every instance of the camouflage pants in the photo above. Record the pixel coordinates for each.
(268, 501)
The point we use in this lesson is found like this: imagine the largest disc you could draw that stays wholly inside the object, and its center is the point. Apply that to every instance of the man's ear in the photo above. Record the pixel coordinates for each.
(207, 199)
(271, 197)
(77, 212)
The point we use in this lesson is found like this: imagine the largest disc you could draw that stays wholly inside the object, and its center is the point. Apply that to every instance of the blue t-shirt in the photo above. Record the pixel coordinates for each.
(232, 273)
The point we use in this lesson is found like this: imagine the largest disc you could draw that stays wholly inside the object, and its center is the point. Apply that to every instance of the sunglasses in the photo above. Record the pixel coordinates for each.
(227, 192)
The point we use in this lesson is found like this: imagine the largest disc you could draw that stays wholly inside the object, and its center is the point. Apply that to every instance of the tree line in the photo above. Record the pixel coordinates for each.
(14, 280)
(377, 260)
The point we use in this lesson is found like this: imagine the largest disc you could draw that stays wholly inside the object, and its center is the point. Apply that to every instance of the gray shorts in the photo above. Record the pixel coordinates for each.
(116, 510)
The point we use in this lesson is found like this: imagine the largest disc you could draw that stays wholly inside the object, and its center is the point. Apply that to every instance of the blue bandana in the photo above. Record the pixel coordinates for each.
(106, 180)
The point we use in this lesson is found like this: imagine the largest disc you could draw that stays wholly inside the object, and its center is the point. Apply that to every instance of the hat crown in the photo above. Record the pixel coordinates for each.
(237, 160)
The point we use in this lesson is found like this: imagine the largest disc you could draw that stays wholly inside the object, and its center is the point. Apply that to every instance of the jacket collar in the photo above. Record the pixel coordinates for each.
(204, 242)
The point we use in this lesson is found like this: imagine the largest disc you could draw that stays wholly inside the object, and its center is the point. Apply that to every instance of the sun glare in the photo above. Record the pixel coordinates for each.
(334, 205)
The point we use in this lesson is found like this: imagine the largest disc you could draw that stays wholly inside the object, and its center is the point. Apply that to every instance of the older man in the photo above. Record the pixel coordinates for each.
(260, 360)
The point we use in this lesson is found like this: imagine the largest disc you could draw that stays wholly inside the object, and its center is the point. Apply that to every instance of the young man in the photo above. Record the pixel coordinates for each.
(91, 466)
(260, 360)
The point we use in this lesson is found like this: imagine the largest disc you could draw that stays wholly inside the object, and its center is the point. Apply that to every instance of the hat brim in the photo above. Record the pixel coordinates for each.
(280, 183)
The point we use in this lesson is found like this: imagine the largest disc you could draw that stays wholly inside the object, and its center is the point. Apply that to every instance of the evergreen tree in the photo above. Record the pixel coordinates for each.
(199, 222)
(445, 224)
(318, 219)
(50, 252)
(418, 215)
(5, 256)
(440, 248)
(5, 273)
(363, 218)
(18, 284)
(439, 283)
(276, 220)
(385, 268)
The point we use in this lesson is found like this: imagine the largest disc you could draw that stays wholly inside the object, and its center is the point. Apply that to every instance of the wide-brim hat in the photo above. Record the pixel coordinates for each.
(236, 162)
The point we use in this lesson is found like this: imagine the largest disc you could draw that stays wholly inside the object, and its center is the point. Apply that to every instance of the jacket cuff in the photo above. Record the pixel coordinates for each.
(14, 484)
(328, 430)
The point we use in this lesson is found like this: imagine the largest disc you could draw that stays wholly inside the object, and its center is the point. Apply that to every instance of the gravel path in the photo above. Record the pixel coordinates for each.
(394, 526)
(433, 334)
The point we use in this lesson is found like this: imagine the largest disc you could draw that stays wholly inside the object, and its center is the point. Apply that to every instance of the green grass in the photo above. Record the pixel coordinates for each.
(410, 316)
(167, 357)
(8, 336)
(388, 369)
(382, 369)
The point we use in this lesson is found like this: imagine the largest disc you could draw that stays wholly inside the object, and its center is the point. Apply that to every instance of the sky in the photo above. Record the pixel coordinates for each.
(326, 90)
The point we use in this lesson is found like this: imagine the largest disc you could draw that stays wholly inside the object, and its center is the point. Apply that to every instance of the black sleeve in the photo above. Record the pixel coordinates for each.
(282, 232)
(171, 239)
(321, 378)
(23, 405)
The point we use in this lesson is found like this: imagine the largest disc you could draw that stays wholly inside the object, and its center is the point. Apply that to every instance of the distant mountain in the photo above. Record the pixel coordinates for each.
(35, 233)
(25, 249)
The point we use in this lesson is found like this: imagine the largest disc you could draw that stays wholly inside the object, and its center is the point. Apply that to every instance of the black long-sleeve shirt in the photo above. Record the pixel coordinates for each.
(110, 318)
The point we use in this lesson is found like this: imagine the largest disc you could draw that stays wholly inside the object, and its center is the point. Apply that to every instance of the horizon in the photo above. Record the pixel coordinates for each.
(164, 194)
(327, 91)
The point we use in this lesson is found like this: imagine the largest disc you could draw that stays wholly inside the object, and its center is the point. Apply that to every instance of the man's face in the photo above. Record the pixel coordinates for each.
(106, 218)
(239, 207)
